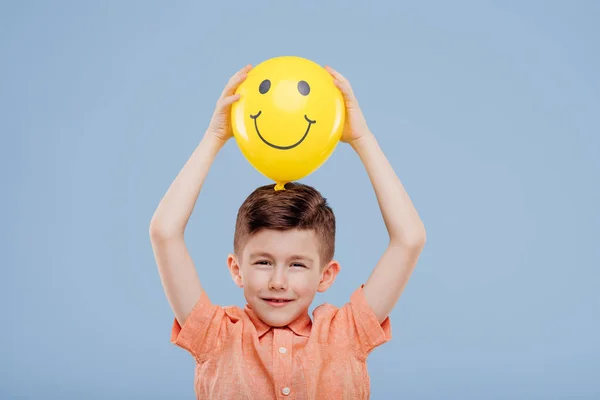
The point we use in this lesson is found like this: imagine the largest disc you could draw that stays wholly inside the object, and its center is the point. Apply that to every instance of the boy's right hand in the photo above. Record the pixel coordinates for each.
(220, 125)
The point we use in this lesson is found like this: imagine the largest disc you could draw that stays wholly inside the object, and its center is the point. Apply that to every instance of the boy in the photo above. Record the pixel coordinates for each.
(283, 254)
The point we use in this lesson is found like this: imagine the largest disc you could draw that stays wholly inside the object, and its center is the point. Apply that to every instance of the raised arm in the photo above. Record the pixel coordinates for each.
(406, 230)
(167, 227)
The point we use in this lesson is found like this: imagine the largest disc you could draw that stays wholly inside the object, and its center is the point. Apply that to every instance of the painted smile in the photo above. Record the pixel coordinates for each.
(255, 118)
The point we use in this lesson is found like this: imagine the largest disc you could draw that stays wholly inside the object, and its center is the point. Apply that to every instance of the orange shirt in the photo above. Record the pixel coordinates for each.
(240, 357)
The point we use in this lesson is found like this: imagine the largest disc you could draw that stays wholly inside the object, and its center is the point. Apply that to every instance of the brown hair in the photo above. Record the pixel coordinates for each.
(299, 206)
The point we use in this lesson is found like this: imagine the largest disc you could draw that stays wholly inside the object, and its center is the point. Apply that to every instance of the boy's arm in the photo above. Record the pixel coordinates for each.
(406, 231)
(176, 268)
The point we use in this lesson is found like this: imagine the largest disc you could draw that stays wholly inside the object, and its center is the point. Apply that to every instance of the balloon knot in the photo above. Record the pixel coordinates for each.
(280, 186)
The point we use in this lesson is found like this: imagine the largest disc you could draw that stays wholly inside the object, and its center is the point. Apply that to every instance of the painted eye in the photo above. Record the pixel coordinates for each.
(264, 86)
(303, 88)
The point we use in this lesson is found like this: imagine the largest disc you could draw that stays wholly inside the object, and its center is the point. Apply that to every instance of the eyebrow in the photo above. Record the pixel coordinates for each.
(260, 254)
(292, 257)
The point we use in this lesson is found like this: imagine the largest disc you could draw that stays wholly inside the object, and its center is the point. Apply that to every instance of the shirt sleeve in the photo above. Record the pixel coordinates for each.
(356, 322)
(200, 334)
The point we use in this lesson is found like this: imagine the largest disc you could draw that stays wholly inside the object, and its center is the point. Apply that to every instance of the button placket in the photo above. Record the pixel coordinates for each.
(282, 360)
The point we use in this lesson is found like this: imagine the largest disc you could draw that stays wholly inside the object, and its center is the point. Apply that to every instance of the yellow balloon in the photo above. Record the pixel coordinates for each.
(289, 118)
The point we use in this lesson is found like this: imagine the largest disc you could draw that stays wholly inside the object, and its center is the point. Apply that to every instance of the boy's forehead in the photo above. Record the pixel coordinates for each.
(283, 242)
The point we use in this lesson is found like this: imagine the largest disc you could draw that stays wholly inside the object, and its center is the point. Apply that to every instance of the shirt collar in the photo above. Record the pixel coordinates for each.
(300, 326)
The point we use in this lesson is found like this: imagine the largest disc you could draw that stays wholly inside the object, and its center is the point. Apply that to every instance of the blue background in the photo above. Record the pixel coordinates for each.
(488, 111)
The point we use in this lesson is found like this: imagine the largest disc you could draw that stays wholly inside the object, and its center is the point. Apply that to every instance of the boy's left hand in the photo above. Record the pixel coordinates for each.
(356, 125)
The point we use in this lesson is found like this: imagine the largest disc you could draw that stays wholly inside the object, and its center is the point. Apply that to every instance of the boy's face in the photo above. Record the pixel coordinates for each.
(282, 265)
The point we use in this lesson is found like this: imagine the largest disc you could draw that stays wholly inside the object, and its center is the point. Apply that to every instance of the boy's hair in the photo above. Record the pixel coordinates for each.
(299, 206)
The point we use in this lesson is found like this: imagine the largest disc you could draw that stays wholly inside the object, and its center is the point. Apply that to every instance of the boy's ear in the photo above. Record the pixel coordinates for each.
(235, 270)
(328, 275)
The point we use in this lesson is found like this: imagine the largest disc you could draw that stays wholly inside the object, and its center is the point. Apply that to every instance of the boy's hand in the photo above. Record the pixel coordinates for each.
(220, 125)
(356, 125)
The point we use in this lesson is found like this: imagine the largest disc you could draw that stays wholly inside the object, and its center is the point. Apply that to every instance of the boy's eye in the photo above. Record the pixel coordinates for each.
(262, 262)
(298, 265)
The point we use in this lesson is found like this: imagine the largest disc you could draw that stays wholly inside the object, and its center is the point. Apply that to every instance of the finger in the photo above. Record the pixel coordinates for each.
(233, 84)
(226, 101)
(241, 72)
(236, 80)
(341, 82)
(336, 74)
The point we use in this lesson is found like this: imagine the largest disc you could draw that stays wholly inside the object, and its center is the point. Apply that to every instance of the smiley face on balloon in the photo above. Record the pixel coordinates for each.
(289, 118)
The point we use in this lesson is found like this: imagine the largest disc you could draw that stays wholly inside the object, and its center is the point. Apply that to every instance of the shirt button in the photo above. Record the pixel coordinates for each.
(285, 391)
(282, 350)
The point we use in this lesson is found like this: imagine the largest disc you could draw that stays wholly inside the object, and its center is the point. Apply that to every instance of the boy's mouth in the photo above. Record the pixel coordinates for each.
(277, 302)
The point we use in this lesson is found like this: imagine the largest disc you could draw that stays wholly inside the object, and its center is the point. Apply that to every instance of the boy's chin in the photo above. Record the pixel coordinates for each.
(277, 323)
(279, 318)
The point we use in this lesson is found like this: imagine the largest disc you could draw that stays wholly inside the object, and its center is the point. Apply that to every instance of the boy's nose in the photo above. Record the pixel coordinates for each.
(278, 281)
